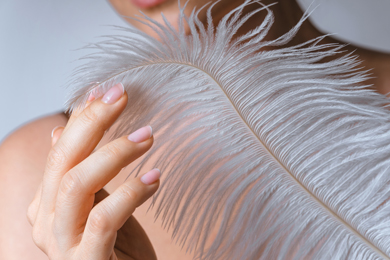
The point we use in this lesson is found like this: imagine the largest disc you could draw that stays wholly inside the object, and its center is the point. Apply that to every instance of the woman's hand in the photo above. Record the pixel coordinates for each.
(66, 223)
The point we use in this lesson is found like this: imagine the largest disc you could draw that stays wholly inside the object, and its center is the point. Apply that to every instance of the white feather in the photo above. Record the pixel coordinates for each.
(289, 155)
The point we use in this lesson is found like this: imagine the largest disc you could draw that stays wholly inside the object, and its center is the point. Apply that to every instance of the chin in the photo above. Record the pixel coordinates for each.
(171, 13)
(170, 8)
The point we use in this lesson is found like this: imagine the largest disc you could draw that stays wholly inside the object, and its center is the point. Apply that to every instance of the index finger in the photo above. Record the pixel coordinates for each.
(79, 139)
(95, 94)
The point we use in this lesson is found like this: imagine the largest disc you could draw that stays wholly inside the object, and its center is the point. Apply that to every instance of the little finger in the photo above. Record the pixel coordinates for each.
(109, 215)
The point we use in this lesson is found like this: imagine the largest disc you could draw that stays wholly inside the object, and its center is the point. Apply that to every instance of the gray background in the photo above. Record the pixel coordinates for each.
(37, 39)
(37, 52)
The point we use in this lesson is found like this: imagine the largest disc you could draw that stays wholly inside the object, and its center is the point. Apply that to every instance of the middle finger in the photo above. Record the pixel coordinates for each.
(77, 189)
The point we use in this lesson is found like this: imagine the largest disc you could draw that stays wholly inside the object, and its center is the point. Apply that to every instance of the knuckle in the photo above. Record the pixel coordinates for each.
(99, 222)
(113, 151)
(38, 237)
(57, 156)
(31, 212)
(129, 193)
(89, 116)
(70, 185)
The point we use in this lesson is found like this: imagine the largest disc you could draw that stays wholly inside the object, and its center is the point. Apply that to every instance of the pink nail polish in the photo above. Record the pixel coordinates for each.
(142, 134)
(151, 176)
(113, 94)
(91, 97)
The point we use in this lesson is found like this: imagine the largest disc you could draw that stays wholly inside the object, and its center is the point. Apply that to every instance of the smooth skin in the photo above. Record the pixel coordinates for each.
(66, 222)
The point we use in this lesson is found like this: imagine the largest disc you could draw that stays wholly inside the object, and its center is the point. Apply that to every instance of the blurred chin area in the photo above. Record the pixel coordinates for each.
(170, 9)
(128, 10)
(39, 38)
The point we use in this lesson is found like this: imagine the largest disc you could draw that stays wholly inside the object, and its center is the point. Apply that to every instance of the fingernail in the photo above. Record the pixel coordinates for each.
(95, 93)
(142, 134)
(151, 176)
(91, 97)
(54, 129)
(113, 94)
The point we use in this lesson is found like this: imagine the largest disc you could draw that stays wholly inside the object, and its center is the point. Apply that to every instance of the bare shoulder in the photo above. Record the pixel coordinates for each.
(32, 139)
(22, 160)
